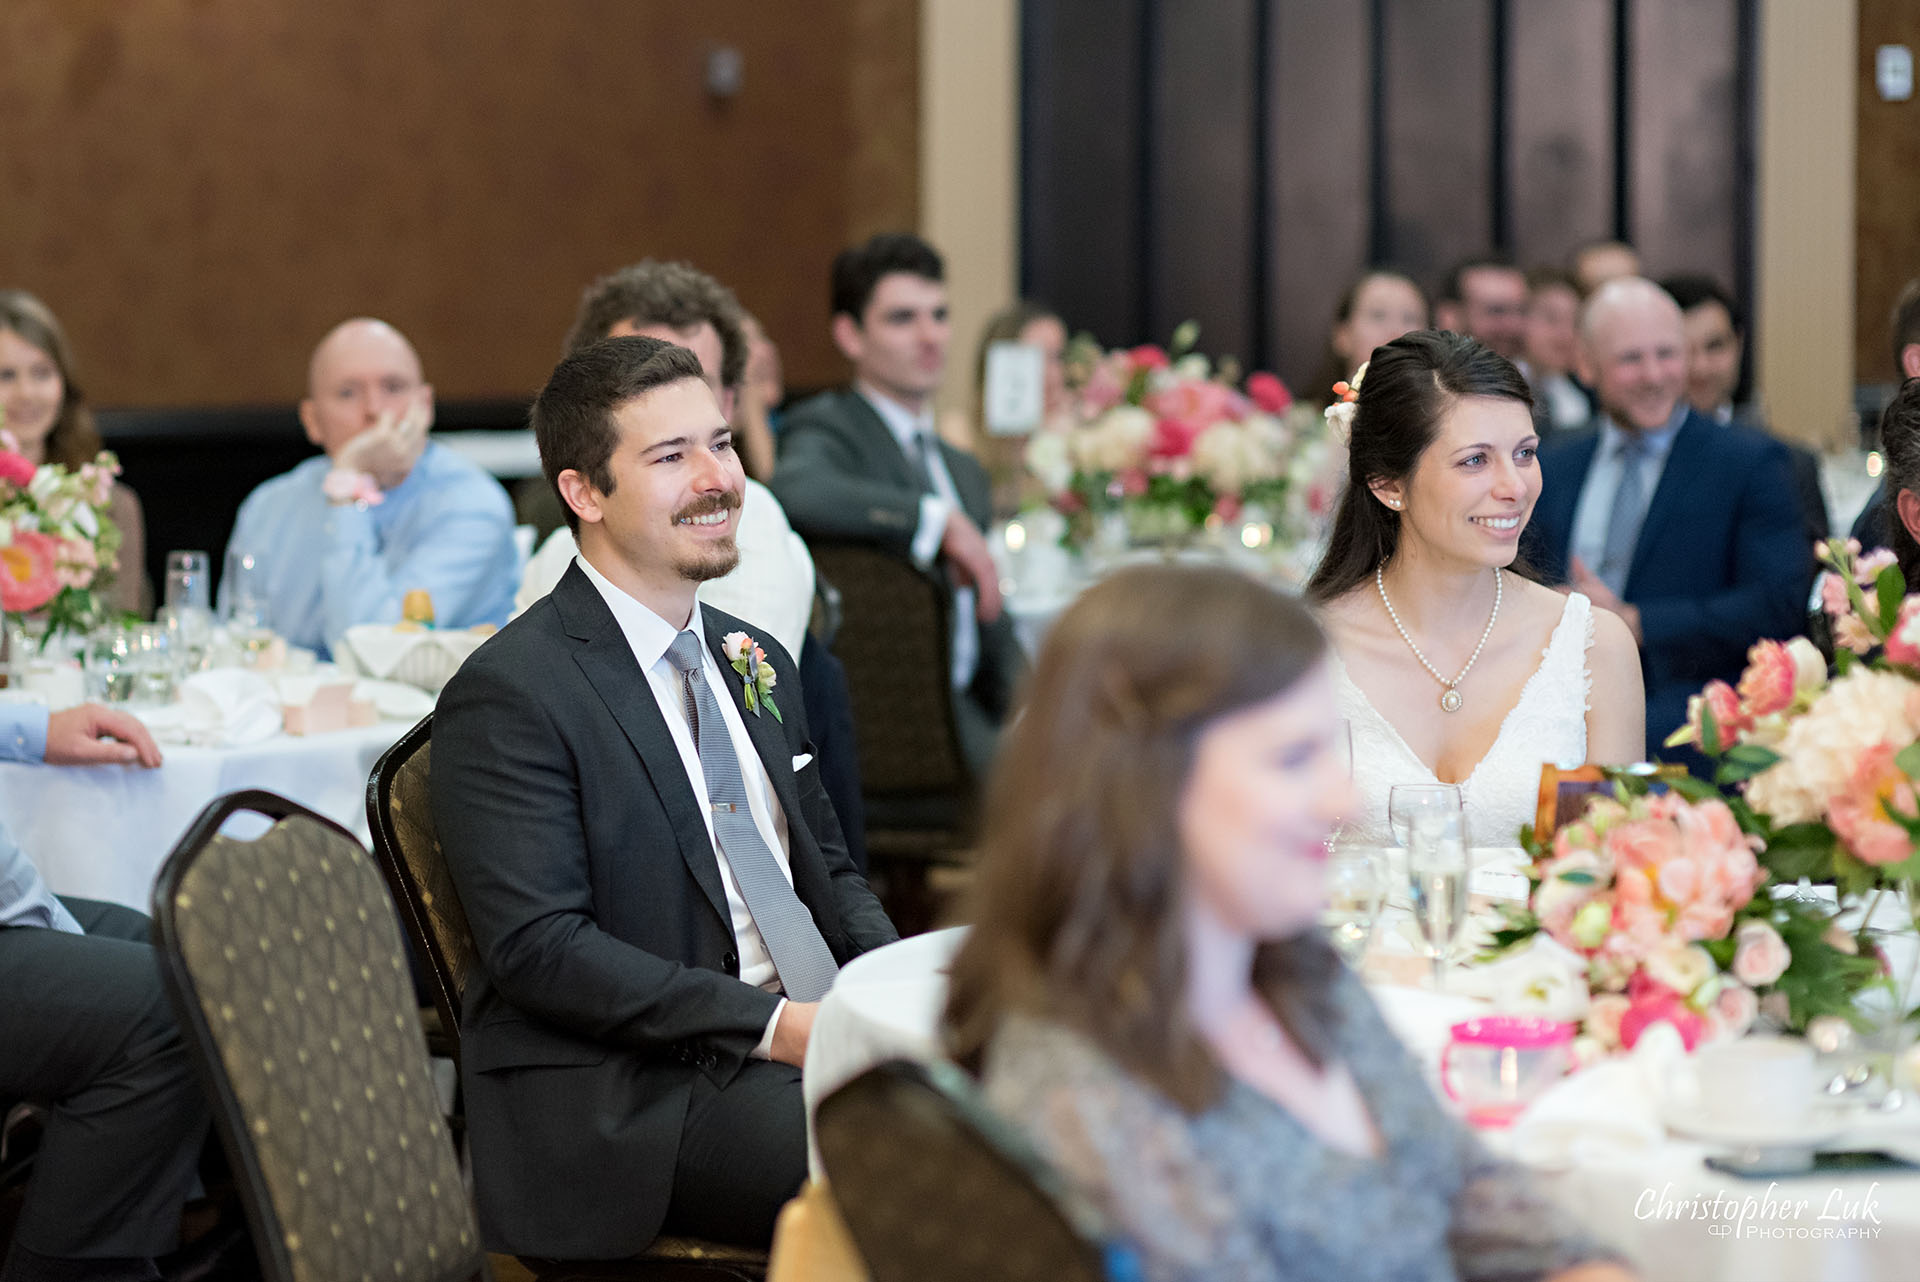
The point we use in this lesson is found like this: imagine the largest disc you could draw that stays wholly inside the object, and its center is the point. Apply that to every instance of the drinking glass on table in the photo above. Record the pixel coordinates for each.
(247, 604)
(1429, 824)
(152, 662)
(187, 611)
(109, 665)
(1356, 890)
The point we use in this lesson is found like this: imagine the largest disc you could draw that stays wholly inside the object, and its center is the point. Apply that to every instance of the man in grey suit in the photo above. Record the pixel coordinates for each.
(864, 463)
(656, 883)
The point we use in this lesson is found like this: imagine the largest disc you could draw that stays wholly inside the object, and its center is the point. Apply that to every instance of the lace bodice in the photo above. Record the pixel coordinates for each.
(1546, 725)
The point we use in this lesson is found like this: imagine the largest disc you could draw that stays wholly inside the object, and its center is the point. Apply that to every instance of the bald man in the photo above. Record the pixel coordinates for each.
(1687, 529)
(340, 540)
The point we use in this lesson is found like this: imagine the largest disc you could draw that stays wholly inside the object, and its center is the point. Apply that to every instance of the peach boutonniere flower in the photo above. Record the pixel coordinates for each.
(756, 674)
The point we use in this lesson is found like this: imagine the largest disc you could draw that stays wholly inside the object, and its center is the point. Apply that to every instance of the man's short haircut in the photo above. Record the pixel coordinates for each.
(677, 295)
(1905, 321)
(857, 271)
(1547, 276)
(1452, 289)
(573, 415)
(1691, 291)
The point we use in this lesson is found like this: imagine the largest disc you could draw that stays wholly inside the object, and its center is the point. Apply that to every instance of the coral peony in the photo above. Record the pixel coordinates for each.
(29, 571)
(1863, 814)
(1767, 684)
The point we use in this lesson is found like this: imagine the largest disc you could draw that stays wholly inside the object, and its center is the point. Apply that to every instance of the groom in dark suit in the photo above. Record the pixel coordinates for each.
(865, 463)
(656, 883)
(1689, 530)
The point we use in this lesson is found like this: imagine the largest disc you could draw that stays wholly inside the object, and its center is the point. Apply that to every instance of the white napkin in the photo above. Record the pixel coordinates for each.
(224, 708)
(419, 657)
(1607, 1112)
(394, 700)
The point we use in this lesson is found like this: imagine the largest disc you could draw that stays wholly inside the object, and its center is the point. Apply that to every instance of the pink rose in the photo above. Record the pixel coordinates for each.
(1227, 508)
(1148, 356)
(1760, 956)
(1173, 438)
(1767, 684)
(1654, 1003)
(1735, 1009)
(15, 470)
(1268, 392)
(1105, 388)
(734, 645)
(1604, 1014)
(29, 574)
(1833, 595)
(1903, 643)
(1729, 721)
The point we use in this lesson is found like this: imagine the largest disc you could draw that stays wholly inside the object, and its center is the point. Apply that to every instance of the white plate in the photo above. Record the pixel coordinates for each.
(1819, 1128)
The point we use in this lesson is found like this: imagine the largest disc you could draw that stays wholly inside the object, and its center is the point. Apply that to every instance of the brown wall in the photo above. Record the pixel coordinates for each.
(201, 187)
(1887, 230)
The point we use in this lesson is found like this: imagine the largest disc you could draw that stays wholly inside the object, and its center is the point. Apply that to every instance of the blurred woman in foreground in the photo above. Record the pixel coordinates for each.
(1146, 990)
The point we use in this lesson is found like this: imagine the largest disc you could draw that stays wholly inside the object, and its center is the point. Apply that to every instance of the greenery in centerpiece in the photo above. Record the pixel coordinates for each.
(58, 547)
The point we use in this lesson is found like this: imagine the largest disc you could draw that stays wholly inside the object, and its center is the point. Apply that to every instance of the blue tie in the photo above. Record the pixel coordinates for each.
(800, 954)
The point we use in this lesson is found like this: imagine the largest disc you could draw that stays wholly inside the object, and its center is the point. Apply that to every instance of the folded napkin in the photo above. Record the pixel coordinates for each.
(420, 657)
(1607, 1112)
(224, 708)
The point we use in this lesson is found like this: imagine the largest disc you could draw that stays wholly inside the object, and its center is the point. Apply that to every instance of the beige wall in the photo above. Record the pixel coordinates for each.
(970, 164)
(1804, 265)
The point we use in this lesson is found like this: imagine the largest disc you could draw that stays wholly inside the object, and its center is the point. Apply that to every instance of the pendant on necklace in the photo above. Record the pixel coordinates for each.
(1450, 701)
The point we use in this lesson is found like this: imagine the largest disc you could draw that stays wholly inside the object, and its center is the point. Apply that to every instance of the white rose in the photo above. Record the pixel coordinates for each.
(1049, 459)
(1809, 666)
(1681, 967)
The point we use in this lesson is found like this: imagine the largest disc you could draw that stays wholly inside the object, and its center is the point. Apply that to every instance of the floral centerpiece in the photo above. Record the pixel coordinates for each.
(1171, 446)
(1658, 907)
(58, 547)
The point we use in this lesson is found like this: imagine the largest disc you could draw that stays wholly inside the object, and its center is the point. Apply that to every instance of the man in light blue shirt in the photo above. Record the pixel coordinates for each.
(341, 540)
(86, 1032)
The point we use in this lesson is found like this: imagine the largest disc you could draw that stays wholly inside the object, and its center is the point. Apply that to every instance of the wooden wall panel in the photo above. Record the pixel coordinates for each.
(1684, 131)
(1887, 184)
(201, 187)
(1321, 105)
(1439, 102)
(1560, 118)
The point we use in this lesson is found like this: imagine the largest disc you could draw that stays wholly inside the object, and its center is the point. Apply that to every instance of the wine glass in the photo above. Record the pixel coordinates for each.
(1356, 889)
(246, 604)
(1430, 825)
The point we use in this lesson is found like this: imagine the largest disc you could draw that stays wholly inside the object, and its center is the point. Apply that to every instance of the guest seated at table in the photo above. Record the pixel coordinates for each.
(657, 886)
(86, 1032)
(1376, 309)
(1416, 592)
(1145, 988)
(1874, 525)
(46, 413)
(1900, 446)
(1553, 340)
(1039, 327)
(340, 540)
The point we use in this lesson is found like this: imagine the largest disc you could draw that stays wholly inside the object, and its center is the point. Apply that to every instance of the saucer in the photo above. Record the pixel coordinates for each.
(1816, 1129)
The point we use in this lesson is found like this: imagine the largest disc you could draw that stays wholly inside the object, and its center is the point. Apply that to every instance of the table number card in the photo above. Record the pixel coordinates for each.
(1015, 388)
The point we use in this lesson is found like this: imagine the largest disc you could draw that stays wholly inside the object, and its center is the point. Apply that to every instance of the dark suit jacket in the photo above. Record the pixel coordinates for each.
(608, 968)
(842, 475)
(1722, 559)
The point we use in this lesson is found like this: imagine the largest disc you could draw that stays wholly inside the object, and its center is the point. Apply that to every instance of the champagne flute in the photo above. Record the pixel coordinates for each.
(1356, 889)
(247, 604)
(1429, 823)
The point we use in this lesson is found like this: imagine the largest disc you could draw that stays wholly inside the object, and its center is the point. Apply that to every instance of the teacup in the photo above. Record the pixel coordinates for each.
(1766, 1079)
(1498, 1064)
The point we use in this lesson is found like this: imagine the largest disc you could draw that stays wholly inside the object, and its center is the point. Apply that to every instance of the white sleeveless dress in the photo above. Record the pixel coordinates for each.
(1547, 725)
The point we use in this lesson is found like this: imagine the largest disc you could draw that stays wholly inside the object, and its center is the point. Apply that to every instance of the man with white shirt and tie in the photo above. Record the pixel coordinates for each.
(1689, 530)
(657, 886)
(864, 463)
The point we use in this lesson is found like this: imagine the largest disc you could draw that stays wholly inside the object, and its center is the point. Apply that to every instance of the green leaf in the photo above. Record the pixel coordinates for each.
(1743, 761)
(1694, 789)
(1709, 730)
(1577, 877)
(1800, 850)
(1908, 760)
(774, 708)
(753, 699)
(1843, 660)
(1890, 588)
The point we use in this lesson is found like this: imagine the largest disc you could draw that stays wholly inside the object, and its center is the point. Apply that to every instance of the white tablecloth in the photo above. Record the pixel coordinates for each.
(1857, 1228)
(102, 832)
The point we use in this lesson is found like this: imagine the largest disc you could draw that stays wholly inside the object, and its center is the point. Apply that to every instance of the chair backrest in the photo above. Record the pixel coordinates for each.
(935, 1187)
(284, 964)
(400, 817)
(895, 641)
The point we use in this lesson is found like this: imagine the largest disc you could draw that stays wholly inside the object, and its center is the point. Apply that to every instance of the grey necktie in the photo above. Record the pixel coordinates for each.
(1629, 510)
(799, 953)
(921, 459)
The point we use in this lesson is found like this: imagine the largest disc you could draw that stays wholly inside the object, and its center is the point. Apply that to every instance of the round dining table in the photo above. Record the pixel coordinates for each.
(1657, 1201)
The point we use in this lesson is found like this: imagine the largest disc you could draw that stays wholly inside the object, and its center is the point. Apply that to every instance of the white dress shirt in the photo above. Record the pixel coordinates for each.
(1594, 509)
(772, 585)
(650, 635)
(908, 430)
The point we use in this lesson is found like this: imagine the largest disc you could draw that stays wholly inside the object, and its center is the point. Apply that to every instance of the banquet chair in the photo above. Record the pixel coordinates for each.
(895, 638)
(935, 1188)
(400, 817)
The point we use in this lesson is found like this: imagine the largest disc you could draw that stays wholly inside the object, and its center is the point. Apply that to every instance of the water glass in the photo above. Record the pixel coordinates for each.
(152, 663)
(109, 665)
(246, 604)
(189, 582)
(1356, 890)
(1428, 821)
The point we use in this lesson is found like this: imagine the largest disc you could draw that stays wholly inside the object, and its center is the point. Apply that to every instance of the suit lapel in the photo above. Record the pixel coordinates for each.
(1684, 468)
(881, 443)
(607, 662)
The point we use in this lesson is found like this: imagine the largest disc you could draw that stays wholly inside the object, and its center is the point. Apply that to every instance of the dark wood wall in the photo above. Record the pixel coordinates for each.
(1887, 212)
(1239, 162)
(199, 188)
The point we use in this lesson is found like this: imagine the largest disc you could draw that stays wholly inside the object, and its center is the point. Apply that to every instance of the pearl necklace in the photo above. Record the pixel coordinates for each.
(1450, 697)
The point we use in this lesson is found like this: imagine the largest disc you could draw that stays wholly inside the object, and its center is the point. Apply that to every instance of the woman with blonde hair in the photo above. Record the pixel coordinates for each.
(47, 415)
(1146, 991)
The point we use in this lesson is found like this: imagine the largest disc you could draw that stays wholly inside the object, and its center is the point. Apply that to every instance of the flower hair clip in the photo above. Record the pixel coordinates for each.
(1346, 400)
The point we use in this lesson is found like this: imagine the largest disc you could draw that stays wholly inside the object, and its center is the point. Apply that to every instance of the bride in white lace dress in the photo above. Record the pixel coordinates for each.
(1449, 666)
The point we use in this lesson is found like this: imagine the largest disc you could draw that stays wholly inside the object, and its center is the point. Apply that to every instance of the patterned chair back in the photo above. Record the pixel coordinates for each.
(920, 1168)
(400, 817)
(284, 964)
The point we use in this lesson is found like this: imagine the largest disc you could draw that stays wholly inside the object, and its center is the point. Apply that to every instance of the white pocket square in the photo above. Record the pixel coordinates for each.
(802, 761)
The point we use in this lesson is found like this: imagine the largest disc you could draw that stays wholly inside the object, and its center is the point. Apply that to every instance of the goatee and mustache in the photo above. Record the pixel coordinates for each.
(720, 557)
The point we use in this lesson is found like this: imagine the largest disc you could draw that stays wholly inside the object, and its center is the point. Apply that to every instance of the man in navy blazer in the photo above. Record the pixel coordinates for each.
(656, 882)
(1689, 530)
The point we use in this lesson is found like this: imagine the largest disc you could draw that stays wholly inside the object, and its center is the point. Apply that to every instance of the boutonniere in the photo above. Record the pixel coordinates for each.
(756, 674)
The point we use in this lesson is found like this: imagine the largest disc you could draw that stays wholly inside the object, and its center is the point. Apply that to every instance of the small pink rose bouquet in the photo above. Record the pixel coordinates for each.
(1168, 442)
(757, 677)
(1658, 896)
(58, 547)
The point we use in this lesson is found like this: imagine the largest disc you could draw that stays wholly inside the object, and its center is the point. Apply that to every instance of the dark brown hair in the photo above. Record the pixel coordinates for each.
(1333, 367)
(677, 295)
(1078, 907)
(1411, 384)
(573, 415)
(1900, 447)
(1904, 324)
(858, 271)
(73, 440)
